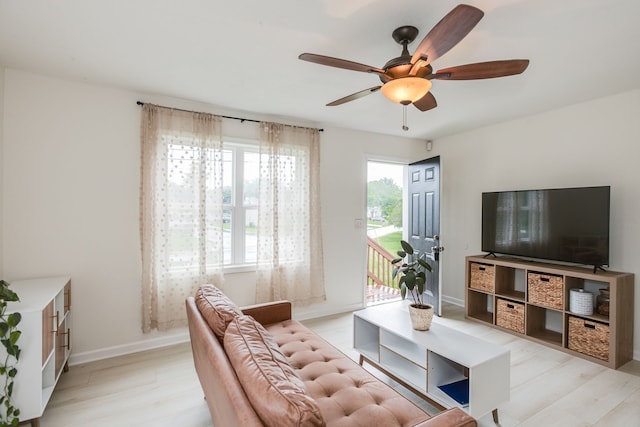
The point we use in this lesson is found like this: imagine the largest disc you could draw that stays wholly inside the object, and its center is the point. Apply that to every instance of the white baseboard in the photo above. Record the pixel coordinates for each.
(452, 300)
(121, 350)
(326, 312)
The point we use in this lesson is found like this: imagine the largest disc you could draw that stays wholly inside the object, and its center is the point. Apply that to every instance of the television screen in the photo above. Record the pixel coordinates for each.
(569, 224)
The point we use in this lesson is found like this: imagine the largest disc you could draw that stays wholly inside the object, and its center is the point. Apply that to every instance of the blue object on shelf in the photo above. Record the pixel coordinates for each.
(459, 391)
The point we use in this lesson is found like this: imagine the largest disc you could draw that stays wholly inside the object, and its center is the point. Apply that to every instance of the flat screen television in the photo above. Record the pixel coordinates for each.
(567, 224)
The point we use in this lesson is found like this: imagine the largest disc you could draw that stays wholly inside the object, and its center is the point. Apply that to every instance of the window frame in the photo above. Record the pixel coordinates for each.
(239, 147)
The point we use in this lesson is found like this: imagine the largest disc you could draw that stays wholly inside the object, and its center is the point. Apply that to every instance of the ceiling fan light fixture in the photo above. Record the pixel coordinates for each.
(406, 90)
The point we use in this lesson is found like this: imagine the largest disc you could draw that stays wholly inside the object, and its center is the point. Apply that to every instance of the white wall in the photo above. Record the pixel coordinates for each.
(594, 143)
(2, 170)
(71, 167)
(71, 199)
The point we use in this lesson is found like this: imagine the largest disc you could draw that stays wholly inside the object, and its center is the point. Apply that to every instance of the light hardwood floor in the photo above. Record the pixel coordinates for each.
(159, 388)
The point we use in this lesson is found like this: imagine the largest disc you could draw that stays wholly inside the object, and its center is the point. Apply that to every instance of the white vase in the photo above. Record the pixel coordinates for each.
(421, 317)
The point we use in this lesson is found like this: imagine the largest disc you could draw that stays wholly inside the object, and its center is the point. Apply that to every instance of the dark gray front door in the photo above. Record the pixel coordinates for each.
(424, 221)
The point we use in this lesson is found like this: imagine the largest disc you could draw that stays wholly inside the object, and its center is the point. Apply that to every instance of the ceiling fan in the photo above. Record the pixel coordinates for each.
(407, 78)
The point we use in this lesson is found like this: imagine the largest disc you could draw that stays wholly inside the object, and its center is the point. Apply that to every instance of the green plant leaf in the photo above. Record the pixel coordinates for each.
(12, 373)
(11, 349)
(395, 272)
(410, 279)
(4, 328)
(13, 319)
(406, 247)
(7, 294)
(401, 254)
(396, 260)
(403, 291)
(15, 335)
(424, 264)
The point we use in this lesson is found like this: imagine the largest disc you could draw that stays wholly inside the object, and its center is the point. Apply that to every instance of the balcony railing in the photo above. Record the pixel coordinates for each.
(380, 284)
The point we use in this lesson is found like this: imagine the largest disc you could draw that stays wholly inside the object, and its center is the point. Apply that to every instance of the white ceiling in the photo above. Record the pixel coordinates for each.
(242, 54)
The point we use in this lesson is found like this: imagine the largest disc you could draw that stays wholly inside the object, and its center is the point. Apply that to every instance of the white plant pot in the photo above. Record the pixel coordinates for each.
(421, 317)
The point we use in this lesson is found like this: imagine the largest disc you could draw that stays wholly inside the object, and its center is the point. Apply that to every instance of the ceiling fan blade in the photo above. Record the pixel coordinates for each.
(339, 63)
(448, 32)
(483, 70)
(354, 96)
(427, 102)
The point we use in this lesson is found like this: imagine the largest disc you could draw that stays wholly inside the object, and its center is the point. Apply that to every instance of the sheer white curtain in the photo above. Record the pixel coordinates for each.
(180, 211)
(290, 259)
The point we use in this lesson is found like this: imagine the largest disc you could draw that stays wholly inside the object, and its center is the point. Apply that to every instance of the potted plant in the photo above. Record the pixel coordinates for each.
(412, 268)
(9, 334)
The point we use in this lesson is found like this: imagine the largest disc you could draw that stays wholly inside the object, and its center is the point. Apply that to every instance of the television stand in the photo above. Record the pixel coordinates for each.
(532, 300)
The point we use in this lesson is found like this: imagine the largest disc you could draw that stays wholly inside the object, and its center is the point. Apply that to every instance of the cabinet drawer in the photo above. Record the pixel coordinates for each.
(63, 345)
(545, 290)
(510, 315)
(588, 337)
(482, 277)
(48, 331)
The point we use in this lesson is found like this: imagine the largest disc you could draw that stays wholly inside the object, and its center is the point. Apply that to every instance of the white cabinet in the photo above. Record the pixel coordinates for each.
(429, 362)
(45, 306)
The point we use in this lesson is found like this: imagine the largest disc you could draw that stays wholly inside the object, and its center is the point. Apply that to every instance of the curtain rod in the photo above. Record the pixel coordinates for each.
(242, 120)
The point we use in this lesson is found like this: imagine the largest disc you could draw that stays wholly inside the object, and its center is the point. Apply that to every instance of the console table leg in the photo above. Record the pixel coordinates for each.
(495, 416)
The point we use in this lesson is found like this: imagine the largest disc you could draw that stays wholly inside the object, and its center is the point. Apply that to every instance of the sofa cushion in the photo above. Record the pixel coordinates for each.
(345, 392)
(216, 308)
(276, 392)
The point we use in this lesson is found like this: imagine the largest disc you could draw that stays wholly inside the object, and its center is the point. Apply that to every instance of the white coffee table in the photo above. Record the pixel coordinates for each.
(424, 361)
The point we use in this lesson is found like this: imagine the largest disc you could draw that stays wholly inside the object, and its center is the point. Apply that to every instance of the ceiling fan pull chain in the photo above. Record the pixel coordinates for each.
(404, 117)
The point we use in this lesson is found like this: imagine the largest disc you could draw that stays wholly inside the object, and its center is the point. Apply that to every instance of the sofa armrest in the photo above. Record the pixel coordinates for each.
(454, 417)
(270, 312)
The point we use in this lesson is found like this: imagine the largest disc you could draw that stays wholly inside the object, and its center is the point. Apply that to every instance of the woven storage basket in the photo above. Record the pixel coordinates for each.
(587, 337)
(482, 277)
(510, 315)
(545, 290)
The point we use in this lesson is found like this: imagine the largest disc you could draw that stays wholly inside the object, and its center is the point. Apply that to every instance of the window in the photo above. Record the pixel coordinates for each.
(201, 208)
(240, 174)
(240, 214)
(240, 190)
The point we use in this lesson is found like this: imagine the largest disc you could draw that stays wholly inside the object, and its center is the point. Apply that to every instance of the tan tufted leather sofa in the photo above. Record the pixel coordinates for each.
(334, 390)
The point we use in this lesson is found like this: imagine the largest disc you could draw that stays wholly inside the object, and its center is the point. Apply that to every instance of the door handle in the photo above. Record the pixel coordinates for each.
(435, 250)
